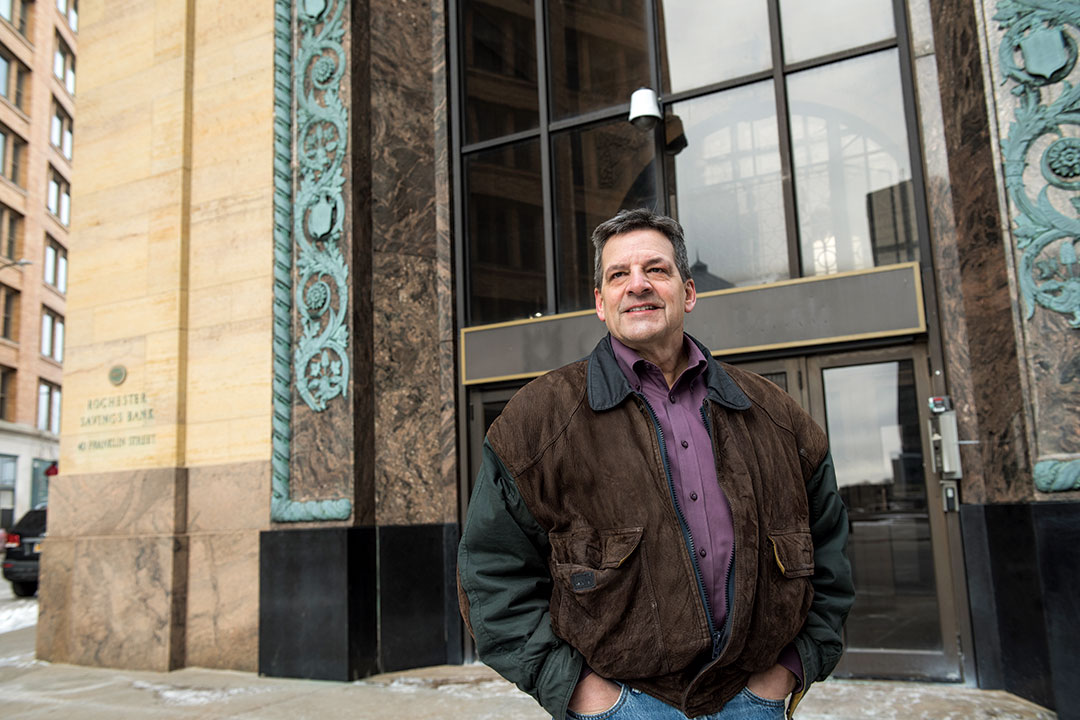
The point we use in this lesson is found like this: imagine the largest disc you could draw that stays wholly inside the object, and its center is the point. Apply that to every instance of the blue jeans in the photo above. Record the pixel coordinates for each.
(636, 705)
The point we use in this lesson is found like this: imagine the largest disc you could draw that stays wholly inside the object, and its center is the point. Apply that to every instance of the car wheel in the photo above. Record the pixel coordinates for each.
(24, 589)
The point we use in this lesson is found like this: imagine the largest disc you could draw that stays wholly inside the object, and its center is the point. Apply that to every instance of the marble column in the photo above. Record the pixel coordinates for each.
(412, 295)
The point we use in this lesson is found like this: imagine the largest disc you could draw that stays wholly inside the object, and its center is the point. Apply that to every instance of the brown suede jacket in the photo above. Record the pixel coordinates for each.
(575, 550)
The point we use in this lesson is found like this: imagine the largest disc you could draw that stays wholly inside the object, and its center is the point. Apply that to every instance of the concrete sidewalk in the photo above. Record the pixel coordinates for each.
(30, 690)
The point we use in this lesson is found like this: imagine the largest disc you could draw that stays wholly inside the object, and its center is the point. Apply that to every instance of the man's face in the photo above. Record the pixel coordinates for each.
(643, 300)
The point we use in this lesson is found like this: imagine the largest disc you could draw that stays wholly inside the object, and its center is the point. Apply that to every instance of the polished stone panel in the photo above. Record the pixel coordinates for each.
(1057, 537)
(115, 602)
(317, 603)
(228, 497)
(411, 428)
(222, 600)
(127, 503)
(947, 272)
(982, 294)
(1023, 592)
(419, 620)
(403, 175)
(412, 287)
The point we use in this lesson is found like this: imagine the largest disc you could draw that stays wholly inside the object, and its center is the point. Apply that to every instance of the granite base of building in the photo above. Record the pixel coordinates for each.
(1024, 591)
(344, 603)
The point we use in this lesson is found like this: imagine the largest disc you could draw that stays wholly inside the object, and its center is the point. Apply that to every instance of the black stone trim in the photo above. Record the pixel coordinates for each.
(1024, 592)
(420, 624)
(344, 603)
(317, 603)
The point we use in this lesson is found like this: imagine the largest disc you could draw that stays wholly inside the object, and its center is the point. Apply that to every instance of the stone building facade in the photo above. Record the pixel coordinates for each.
(320, 244)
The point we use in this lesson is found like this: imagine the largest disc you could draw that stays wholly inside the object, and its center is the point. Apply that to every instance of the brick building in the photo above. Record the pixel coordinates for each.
(38, 42)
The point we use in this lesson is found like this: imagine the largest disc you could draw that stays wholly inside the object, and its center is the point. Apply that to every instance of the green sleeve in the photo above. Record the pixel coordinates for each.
(820, 642)
(503, 570)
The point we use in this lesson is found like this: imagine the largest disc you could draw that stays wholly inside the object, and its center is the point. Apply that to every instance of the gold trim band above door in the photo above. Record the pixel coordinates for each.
(859, 305)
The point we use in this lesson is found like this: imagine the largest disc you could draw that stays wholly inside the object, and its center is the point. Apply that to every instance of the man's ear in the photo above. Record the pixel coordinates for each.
(599, 304)
(691, 296)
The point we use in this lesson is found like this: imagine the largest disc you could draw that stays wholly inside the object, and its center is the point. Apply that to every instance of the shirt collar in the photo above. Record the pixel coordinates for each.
(608, 386)
(634, 366)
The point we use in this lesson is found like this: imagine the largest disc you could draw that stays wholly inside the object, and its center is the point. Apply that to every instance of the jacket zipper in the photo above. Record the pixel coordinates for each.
(718, 647)
(687, 537)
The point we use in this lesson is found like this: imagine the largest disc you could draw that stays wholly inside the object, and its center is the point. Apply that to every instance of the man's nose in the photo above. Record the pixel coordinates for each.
(639, 282)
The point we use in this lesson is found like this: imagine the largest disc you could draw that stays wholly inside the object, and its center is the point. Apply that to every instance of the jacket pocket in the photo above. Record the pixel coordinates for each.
(604, 603)
(783, 597)
(793, 551)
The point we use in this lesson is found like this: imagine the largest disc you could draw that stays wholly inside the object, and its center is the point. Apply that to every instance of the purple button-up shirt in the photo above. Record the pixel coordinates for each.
(693, 470)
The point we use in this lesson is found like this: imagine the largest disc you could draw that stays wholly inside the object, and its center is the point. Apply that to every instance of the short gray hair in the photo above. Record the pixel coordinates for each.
(640, 219)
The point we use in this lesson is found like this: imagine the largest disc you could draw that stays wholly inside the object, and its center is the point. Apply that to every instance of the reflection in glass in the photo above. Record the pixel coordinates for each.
(695, 56)
(873, 426)
(599, 54)
(728, 182)
(505, 216)
(813, 29)
(852, 166)
(598, 171)
(500, 68)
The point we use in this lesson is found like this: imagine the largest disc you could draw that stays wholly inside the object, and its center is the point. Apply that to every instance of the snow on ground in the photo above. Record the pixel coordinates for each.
(18, 614)
(187, 696)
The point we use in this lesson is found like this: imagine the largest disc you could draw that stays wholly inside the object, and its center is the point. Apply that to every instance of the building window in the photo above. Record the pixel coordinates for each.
(12, 151)
(9, 305)
(52, 335)
(16, 13)
(61, 130)
(7, 389)
(55, 264)
(8, 467)
(774, 167)
(48, 409)
(13, 80)
(64, 65)
(59, 197)
(39, 481)
(70, 10)
(11, 230)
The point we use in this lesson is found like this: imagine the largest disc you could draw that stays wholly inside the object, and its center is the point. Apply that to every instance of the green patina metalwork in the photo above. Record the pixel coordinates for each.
(1057, 475)
(1038, 52)
(322, 295)
(282, 507)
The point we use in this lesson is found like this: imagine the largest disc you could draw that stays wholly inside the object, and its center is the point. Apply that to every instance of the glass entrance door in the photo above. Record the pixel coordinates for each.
(872, 404)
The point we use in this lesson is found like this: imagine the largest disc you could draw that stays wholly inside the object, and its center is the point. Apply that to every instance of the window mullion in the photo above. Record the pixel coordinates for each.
(540, 13)
(787, 168)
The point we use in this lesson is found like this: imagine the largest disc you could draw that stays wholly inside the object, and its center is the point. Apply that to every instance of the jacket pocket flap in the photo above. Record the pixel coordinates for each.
(601, 549)
(794, 552)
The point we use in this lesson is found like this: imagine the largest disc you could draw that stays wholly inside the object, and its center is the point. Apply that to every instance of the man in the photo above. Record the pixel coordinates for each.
(654, 534)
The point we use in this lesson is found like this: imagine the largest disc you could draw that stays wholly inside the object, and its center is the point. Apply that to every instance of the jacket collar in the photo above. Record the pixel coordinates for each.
(608, 387)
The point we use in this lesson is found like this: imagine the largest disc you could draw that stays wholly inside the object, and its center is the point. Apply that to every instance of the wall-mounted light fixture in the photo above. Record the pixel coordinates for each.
(644, 109)
(15, 263)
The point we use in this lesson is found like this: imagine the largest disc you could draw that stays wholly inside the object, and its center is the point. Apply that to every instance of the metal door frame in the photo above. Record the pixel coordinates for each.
(947, 664)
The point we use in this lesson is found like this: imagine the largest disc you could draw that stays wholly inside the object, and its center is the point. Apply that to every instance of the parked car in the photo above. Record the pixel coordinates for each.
(23, 552)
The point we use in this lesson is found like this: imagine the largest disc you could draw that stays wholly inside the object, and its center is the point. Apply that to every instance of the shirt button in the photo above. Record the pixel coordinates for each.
(693, 496)
(671, 397)
(685, 444)
(702, 552)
